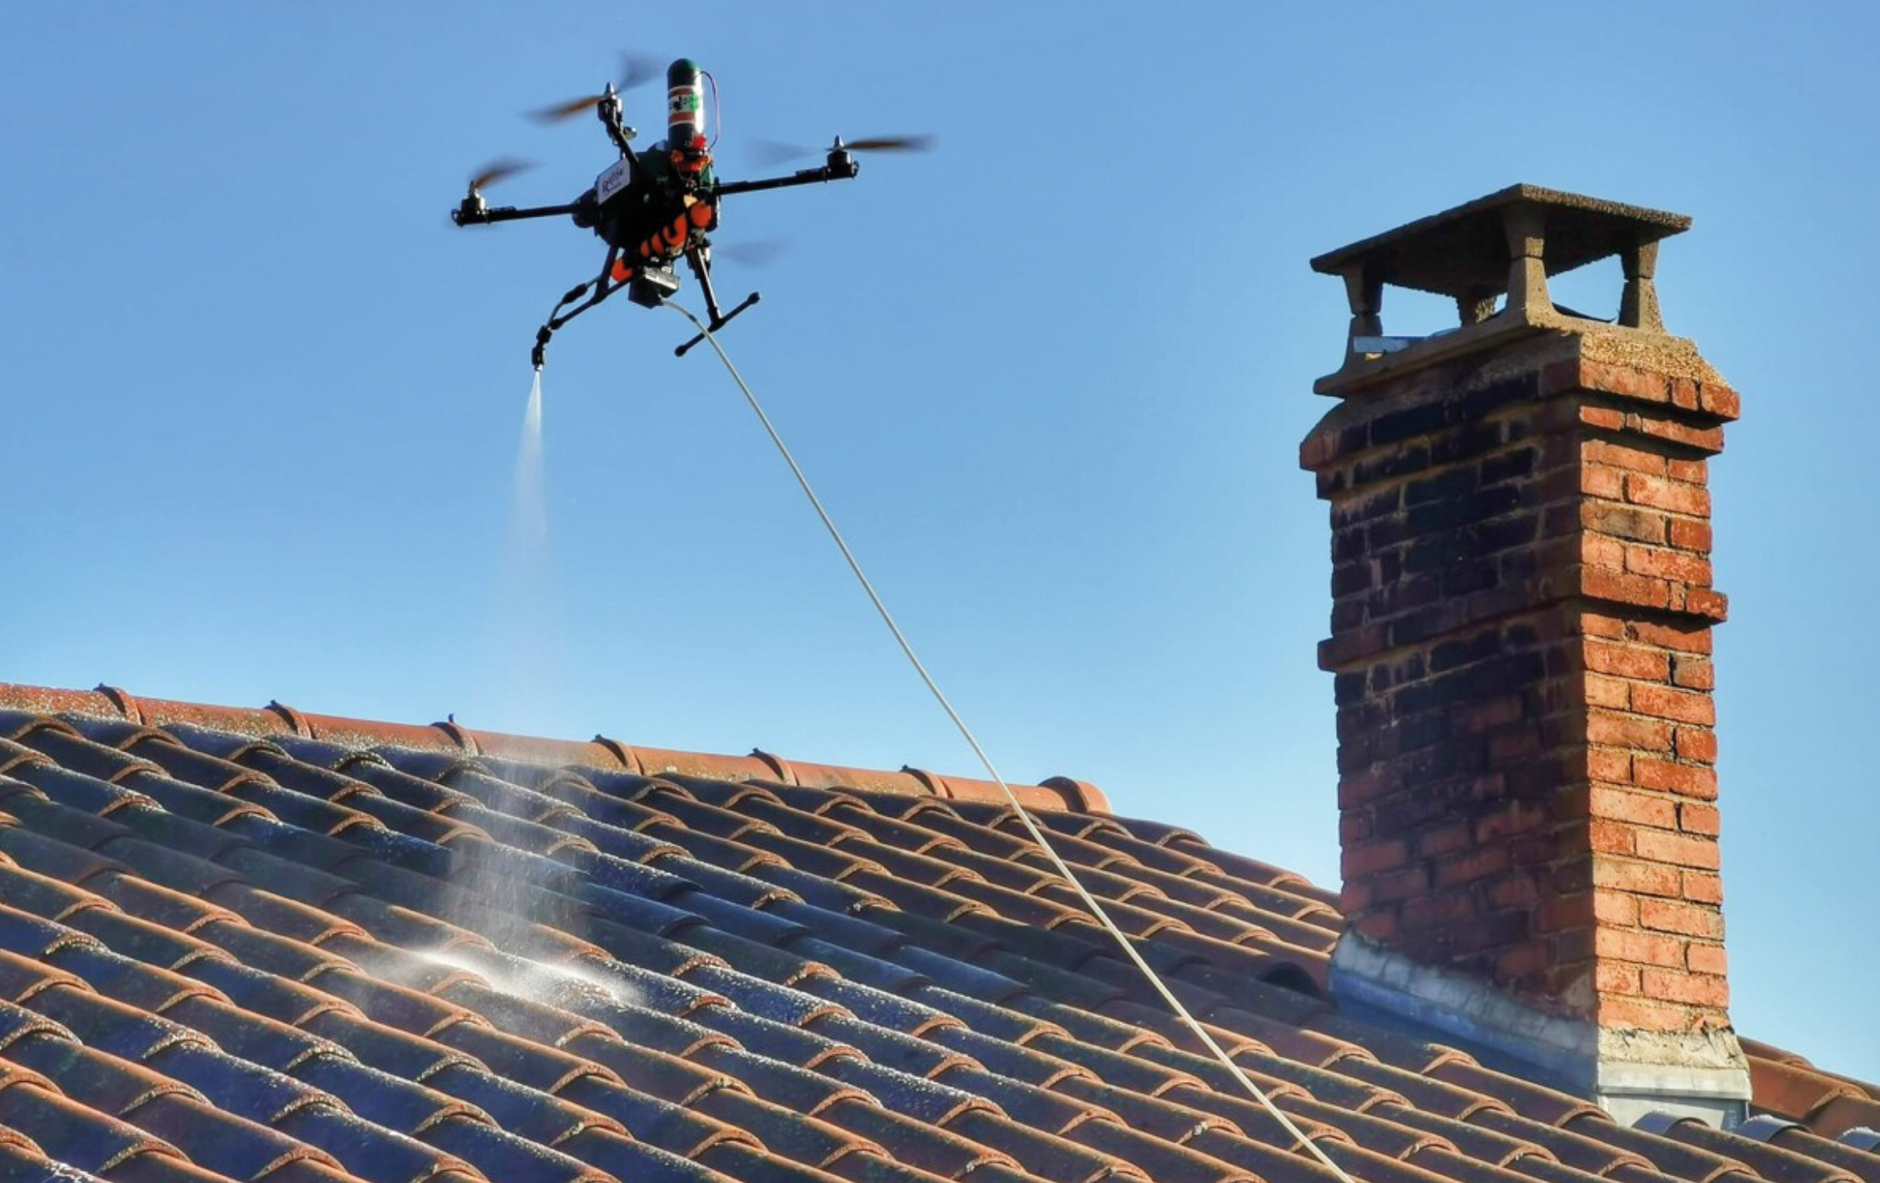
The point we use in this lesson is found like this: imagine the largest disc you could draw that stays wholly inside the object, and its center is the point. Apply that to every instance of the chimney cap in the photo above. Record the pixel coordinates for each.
(1463, 252)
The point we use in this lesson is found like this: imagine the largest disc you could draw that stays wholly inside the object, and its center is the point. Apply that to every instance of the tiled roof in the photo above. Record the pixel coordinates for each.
(265, 945)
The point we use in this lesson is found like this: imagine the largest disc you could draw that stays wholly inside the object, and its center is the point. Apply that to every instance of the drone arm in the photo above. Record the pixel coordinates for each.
(474, 213)
(839, 167)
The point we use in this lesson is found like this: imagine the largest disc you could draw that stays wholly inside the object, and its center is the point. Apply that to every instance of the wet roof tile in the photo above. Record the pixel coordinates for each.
(323, 949)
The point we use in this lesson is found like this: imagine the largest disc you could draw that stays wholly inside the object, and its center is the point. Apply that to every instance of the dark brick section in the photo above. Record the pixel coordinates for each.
(1520, 637)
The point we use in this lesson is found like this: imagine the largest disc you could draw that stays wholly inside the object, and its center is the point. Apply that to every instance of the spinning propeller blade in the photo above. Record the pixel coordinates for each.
(772, 152)
(755, 252)
(892, 144)
(496, 170)
(636, 69)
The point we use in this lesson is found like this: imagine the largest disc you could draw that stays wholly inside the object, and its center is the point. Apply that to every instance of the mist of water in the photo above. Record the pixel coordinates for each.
(529, 515)
(525, 632)
(520, 672)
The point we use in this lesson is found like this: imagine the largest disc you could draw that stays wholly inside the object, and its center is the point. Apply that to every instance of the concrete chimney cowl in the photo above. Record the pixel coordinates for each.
(1521, 618)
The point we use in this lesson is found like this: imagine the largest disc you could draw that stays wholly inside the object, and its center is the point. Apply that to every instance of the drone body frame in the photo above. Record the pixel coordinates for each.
(651, 208)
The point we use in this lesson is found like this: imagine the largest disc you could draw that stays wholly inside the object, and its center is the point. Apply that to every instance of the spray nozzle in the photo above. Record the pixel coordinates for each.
(539, 354)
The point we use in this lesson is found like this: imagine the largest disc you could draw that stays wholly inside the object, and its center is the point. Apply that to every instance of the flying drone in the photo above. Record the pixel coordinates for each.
(654, 207)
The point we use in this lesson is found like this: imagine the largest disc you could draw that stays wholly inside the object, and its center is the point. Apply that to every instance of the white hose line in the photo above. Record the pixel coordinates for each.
(1037, 834)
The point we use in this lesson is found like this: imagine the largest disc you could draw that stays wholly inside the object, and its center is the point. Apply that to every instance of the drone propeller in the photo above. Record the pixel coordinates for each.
(752, 252)
(496, 170)
(776, 152)
(636, 69)
(923, 143)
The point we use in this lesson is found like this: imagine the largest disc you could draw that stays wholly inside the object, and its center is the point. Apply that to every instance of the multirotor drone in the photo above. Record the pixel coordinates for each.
(653, 208)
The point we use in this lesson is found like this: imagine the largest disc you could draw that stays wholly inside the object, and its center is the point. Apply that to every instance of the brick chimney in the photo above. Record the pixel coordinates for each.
(1521, 619)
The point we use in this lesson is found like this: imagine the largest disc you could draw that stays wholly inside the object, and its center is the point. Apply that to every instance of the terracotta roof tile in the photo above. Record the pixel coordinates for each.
(365, 1149)
(71, 1132)
(363, 951)
(1863, 1163)
(1683, 1160)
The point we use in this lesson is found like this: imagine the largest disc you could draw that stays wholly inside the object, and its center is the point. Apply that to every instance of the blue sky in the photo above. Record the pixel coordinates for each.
(263, 400)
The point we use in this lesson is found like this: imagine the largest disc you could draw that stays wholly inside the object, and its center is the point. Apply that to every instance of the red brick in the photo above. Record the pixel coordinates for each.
(1707, 602)
(1708, 439)
(1645, 878)
(1596, 624)
(1515, 891)
(1688, 780)
(1445, 839)
(1625, 521)
(1643, 809)
(1627, 661)
(1615, 907)
(1676, 985)
(1628, 731)
(1358, 788)
(1720, 400)
(1625, 381)
(1697, 743)
(1621, 456)
(1485, 716)
(1684, 394)
(1706, 959)
(1668, 564)
(1609, 765)
(1597, 550)
(1398, 885)
(1442, 907)
(1467, 868)
(1643, 948)
(1527, 961)
(1692, 920)
(1610, 837)
(1694, 673)
(1703, 887)
(1685, 639)
(1663, 494)
(1638, 590)
(1513, 817)
(1362, 861)
(1602, 417)
(1565, 913)
(1683, 706)
(1694, 818)
(1379, 926)
(1690, 534)
(1617, 977)
(1596, 480)
(1691, 472)
(1683, 850)
(1602, 691)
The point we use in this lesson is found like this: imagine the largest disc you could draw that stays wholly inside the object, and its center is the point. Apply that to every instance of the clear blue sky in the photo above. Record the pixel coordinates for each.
(263, 401)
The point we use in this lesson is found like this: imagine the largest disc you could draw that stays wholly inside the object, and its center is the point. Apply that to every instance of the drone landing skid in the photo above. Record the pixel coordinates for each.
(701, 267)
(719, 322)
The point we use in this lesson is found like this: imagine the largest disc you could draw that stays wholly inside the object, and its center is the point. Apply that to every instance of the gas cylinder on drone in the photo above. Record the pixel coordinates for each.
(685, 106)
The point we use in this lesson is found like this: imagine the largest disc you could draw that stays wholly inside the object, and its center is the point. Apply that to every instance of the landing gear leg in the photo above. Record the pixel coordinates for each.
(603, 286)
(700, 261)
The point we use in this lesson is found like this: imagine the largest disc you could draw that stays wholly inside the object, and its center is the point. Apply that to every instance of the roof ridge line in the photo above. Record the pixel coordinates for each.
(1057, 793)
